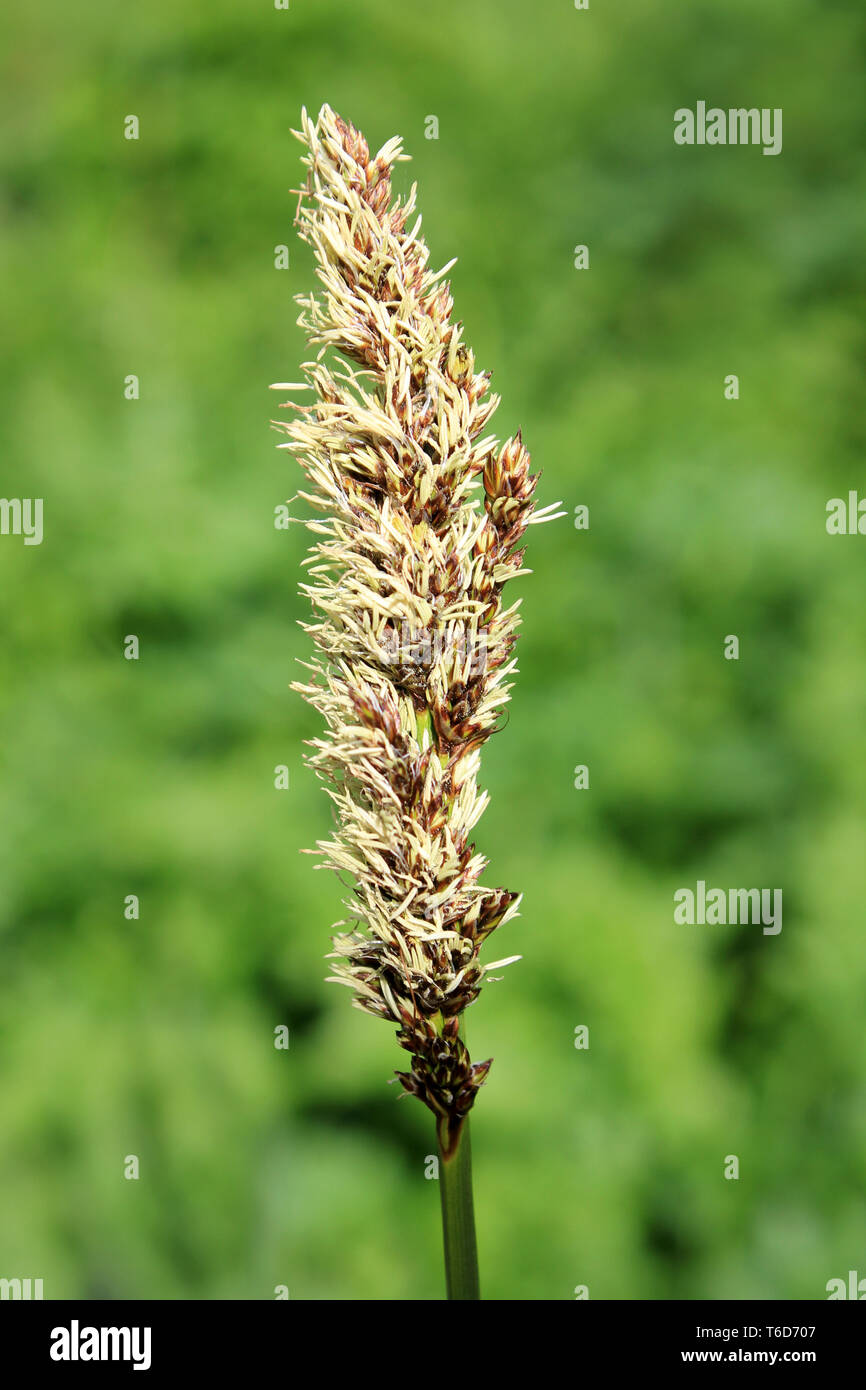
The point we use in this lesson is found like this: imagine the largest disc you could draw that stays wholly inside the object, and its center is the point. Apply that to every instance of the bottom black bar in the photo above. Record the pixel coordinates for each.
(66, 1339)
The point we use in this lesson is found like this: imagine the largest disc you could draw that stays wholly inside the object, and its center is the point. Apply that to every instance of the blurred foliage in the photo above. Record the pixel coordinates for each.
(155, 1037)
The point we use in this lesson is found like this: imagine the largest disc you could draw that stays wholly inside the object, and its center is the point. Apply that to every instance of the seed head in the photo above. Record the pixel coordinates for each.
(419, 518)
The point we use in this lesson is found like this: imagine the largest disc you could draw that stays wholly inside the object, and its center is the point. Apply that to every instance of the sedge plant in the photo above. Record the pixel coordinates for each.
(418, 515)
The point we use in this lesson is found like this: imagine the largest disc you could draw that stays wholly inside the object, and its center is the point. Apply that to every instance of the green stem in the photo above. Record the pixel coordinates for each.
(458, 1216)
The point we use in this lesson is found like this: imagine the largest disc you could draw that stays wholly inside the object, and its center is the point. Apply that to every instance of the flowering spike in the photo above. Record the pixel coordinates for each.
(419, 522)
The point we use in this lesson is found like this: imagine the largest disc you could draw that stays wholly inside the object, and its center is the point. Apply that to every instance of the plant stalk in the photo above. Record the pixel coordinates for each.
(458, 1215)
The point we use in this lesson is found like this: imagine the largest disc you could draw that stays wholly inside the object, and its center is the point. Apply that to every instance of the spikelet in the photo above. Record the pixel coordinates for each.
(418, 516)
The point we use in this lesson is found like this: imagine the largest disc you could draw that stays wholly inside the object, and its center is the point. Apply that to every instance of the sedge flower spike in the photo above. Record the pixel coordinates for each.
(418, 516)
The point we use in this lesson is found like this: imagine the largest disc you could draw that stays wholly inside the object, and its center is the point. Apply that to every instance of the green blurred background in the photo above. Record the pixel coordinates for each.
(155, 1037)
